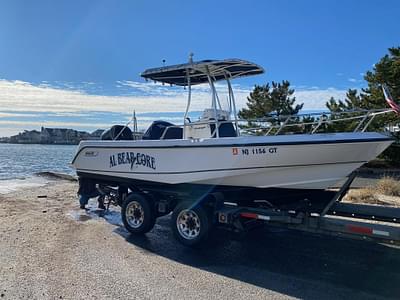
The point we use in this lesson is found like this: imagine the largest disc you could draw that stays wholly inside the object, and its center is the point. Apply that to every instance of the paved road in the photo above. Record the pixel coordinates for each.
(288, 262)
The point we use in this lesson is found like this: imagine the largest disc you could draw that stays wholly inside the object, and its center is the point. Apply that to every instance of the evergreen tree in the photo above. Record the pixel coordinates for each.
(387, 71)
(353, 101)
(265, 100)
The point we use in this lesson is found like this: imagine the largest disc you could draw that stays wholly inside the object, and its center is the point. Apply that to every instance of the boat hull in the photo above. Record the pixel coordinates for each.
(289, 161)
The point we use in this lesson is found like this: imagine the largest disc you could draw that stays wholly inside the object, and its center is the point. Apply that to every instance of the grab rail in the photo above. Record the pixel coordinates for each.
(323, 118)
(266, 124)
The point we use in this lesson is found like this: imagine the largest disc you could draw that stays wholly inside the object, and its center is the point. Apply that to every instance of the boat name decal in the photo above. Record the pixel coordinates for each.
(254, 150)
(133, 159)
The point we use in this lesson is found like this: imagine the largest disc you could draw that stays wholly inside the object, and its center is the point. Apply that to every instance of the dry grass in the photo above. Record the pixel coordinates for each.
(386, 192)
(388, 186)
(366, 196)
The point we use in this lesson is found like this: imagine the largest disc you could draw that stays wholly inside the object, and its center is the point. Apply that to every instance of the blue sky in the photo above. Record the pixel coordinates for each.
(68, 63)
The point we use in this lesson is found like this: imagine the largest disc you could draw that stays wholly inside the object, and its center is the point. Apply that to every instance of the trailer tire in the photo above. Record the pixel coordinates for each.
(190, 225)
(138, 214)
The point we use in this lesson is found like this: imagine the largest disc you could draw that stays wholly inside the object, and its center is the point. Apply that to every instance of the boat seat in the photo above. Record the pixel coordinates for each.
(114, 131)
(157, 128)
(225, 130)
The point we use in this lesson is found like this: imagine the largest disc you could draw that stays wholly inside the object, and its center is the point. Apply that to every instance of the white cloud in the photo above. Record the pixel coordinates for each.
(19, 115)
(146, 87)
(19, 96)
(352, 80)
(38, 124)
(316, 99)
(70, 114)
(23, 96)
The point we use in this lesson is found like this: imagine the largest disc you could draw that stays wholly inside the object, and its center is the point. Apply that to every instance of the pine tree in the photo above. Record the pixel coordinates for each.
(386, 71)
(270, 102)
(265, 100)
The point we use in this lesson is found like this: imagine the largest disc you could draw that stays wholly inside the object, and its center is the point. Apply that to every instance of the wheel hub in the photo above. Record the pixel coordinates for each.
(134, 214)
(188, 224)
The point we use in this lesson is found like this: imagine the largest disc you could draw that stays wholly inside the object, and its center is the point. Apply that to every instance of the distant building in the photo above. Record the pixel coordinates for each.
(63, 136)
(26, 137)
(52, 136)
(56, 136)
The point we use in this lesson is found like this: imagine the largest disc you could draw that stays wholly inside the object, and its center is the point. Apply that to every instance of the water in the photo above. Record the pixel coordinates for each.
(19, 163)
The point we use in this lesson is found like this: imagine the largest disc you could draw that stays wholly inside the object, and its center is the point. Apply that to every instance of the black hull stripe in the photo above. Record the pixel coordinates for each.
(221, 170)
(383, 139)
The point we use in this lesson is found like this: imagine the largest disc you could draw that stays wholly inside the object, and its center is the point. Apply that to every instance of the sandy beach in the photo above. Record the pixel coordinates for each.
(50, 249)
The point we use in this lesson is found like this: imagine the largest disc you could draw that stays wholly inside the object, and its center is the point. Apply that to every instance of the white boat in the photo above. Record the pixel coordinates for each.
(195, 157)
(287, 161)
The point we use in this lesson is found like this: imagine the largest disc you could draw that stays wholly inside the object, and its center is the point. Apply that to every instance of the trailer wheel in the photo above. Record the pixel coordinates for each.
(190, 225)
(138, 214)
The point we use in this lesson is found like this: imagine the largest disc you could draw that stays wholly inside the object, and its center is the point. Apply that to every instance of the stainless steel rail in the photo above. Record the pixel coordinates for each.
(266, 126)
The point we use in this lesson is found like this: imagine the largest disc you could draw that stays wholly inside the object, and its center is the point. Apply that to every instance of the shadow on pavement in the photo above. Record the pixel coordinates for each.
(301, 260)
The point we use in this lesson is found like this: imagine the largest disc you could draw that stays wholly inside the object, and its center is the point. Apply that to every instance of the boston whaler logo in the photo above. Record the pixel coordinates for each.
(133, 159)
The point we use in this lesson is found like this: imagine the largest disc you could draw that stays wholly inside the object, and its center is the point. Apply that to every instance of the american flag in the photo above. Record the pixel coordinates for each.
(389, 99)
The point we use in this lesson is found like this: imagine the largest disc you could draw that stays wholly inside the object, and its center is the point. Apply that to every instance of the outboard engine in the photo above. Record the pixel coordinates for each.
(117, 132)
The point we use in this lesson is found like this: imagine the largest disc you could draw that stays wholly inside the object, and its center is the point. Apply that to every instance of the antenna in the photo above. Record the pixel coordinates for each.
(134, 125)
(191, 57)
(163, 62)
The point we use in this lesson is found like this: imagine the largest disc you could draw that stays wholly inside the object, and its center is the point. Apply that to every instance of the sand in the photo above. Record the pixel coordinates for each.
(50, 249)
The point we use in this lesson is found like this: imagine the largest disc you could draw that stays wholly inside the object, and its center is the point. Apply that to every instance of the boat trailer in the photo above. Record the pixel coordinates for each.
(355, 221)
(192, 220)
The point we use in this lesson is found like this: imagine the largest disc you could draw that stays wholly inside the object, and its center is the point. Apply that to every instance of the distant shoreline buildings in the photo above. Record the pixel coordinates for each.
(59, 136)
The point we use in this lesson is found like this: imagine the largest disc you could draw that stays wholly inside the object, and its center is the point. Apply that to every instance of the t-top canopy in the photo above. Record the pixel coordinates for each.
(198, 71)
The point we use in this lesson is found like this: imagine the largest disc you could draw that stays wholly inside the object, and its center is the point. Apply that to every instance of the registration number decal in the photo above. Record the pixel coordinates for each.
(254, 150)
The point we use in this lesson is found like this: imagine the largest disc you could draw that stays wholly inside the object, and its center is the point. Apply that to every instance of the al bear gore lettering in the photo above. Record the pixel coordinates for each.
(133, 159)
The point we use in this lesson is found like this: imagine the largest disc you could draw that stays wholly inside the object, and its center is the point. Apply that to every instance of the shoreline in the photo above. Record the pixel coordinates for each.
(36, 180)
(8, 186)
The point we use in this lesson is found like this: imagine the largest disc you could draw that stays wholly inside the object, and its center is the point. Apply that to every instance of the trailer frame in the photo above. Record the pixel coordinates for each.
(354, 221)
(334, 218)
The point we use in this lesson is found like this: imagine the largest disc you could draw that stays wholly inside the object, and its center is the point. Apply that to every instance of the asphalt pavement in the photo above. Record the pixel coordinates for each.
(291, 263)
